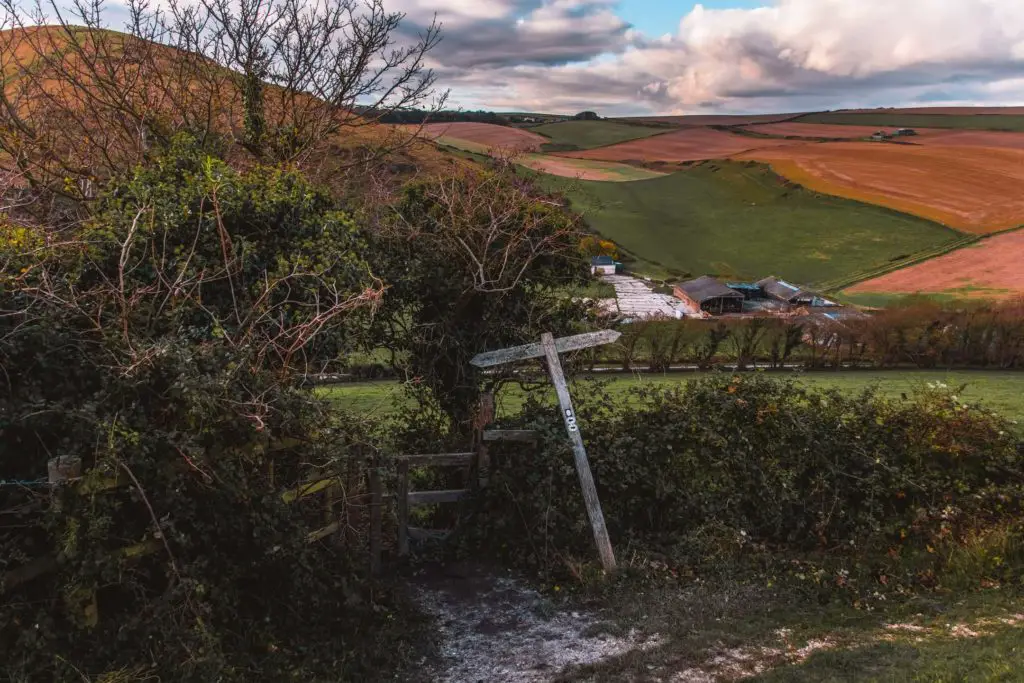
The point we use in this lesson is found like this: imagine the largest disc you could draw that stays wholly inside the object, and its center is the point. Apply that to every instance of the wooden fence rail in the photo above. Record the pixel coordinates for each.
(68, 472)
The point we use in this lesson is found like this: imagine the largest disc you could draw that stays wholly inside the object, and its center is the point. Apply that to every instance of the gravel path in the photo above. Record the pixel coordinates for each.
(495, 628)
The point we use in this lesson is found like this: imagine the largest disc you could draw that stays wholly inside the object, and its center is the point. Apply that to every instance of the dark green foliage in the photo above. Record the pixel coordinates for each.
(762, 463)
(161, 348)
(474, 262)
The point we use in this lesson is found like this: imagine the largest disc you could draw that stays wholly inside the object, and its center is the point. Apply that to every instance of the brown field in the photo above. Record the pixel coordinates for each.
(948, 111)
(714, 119)
(976, 190)
(991, 268)
(971, 138)
(815, 130)
(489, 135)
(690, 144)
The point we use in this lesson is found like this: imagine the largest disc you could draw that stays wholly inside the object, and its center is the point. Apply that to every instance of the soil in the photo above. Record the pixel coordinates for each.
(494, 627)
(974, 189)
(971, 138)
(691, 144)
(991, 268)
(824, 130)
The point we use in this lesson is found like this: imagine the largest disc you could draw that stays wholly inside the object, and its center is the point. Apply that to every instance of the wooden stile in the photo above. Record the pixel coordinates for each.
(549, 348)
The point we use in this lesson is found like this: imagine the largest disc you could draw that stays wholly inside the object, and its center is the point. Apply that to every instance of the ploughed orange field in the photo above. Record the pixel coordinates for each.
(486, 134)
(974, 189)
(822, 130)
(690, 144)
(990, 268)
(971, 138)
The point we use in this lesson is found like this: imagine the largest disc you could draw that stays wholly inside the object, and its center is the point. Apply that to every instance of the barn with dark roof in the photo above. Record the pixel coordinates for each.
(709, 295)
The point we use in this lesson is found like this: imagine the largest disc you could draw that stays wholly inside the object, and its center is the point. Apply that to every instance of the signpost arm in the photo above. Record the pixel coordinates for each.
(604, 545)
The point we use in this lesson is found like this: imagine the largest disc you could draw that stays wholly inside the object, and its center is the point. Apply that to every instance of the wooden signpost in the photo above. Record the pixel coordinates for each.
(549, 348)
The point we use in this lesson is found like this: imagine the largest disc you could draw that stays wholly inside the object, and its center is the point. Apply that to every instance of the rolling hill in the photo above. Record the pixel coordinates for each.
(742, 220)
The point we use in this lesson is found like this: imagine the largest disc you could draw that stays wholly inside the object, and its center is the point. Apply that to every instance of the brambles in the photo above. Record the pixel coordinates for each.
(765, 466)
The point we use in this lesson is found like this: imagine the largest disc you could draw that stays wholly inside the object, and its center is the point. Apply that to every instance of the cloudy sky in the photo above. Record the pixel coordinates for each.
(623, 57)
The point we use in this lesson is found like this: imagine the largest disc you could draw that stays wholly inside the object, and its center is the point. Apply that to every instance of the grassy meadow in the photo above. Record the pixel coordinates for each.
(739, 220)
(999, 391)
(590, 134)
(1003, 122)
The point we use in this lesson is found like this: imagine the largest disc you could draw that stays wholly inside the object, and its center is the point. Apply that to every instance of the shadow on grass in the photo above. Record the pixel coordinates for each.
(750, 633)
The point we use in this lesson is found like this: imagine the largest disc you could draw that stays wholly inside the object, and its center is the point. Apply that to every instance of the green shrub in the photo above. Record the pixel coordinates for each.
(759, 462)
(163, 348)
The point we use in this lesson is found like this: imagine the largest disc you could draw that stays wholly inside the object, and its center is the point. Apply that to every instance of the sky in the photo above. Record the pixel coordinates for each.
(642, 57)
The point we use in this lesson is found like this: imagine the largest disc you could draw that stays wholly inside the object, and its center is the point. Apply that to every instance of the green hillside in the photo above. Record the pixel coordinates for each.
(572, 135)
(897, 120)
(741, 220)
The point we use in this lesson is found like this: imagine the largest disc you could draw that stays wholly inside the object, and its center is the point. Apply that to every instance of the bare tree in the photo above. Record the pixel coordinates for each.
(307, 70)
(82, 102)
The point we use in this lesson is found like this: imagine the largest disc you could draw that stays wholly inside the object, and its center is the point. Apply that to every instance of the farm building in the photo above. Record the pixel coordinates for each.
(904, 132)
(781, 290)
(881, 135)
(603, 265)
(751, 291)
(709, 295)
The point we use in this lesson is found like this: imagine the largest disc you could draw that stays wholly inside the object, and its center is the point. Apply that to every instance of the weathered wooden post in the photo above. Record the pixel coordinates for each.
(549, 348)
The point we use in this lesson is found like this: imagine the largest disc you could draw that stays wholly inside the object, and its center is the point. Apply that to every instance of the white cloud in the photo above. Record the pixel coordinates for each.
(792, 55)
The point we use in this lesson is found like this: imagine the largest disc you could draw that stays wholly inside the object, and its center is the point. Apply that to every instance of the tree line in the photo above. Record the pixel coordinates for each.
(920, 333)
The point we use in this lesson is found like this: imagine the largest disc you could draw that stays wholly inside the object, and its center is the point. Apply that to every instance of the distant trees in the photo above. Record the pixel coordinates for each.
(587, 116)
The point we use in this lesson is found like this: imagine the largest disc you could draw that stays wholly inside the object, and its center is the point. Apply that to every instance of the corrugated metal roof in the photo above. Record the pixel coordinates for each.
(780, 288)
(704, 288)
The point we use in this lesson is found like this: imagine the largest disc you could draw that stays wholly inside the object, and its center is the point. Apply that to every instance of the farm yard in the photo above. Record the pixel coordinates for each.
(976, 190)
(991, 268)
(590, 134)
(739, 220)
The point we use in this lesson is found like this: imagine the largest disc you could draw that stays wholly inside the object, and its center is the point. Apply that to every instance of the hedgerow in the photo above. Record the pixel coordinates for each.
(764, 465)
(161, 345)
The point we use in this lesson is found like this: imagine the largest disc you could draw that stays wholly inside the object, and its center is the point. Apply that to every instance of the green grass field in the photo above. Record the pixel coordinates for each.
(742, 221)
(1000, 391)
(880, 119)
(591, 134)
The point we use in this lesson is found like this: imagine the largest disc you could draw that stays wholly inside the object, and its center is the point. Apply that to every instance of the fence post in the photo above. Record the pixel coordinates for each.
(483, 456)
(376, 516)
(403, 508)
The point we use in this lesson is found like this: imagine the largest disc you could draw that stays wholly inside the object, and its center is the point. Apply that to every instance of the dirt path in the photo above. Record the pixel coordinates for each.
(494, 628)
